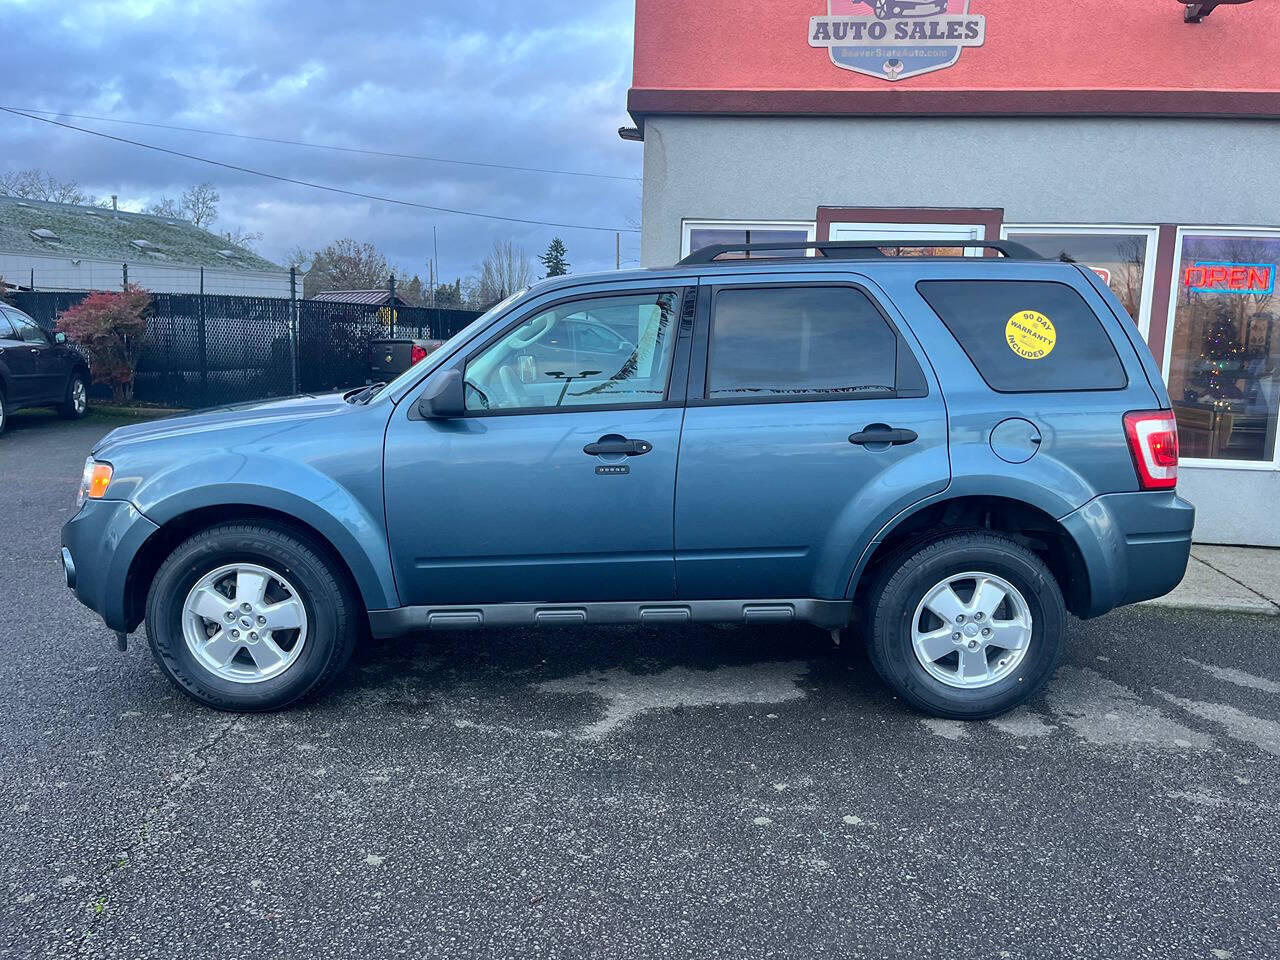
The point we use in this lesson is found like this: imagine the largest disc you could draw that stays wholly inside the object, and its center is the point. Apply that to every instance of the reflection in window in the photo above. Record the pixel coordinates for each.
(604, 350)
(1120, 259)
(1224, 363)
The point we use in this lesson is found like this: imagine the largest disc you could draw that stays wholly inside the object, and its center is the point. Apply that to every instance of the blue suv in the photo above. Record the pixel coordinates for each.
(949, 454)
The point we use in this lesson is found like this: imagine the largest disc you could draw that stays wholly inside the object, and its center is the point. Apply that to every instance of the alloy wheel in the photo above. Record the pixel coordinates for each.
(245, 623)
(971, 630)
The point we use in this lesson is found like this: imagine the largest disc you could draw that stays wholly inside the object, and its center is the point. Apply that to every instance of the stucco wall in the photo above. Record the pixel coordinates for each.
(1073, 170)
(1066, 170)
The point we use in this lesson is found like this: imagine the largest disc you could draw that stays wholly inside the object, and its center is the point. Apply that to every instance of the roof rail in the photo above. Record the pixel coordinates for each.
(858, 249)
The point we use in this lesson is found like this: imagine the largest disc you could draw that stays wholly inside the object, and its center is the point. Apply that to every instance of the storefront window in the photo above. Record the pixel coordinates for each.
(1224, 350)
(706, 233)
(1120, 256)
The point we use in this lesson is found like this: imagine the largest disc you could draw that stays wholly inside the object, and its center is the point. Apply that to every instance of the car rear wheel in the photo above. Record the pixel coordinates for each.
(4, 413)
(76, 403)
(250, 617)
(967, 626)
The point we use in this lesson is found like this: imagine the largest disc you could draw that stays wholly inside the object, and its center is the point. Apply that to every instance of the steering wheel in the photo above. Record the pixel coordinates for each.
(514, 386)
(538, 328)
(479, 394)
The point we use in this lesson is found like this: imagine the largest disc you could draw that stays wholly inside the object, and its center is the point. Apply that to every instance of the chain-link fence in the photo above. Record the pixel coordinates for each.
(207, 350)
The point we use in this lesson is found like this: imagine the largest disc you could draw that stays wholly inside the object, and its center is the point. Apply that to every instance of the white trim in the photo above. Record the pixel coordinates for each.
(686, 226)
(1151, 232)
(1183, 232)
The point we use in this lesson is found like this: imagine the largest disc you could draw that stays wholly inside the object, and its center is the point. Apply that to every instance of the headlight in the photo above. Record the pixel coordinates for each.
(93, 482)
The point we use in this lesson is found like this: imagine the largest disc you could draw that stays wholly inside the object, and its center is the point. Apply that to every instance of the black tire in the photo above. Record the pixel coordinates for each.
(881, 9)
(74, 406)
(911, 572)
(330, 602)
(4, 414)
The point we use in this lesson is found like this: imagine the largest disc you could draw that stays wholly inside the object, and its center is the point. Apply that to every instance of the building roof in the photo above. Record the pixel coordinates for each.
(40, 228)
(377, 297)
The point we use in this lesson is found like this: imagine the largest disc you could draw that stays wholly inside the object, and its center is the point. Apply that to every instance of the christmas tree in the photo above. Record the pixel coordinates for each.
(1220, 356)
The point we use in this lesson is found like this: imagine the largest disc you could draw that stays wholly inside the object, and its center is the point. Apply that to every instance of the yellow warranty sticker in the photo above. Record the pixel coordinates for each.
(1030, 335)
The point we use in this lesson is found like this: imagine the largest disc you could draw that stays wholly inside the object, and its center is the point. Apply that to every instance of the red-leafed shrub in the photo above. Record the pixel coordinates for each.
(111, 328)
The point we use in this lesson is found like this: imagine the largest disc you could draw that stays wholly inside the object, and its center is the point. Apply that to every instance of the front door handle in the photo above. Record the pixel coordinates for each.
(617, 445)
(883, 433)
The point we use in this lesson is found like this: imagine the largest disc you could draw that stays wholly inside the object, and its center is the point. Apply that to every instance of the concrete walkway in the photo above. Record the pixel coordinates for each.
(1232, 579)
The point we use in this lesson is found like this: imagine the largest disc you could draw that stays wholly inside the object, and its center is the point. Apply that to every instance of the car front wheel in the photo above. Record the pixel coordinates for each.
(250, 617)
(966, 627)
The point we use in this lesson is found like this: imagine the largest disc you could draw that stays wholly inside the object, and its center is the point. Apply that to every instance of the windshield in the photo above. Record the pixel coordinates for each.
(414, 373)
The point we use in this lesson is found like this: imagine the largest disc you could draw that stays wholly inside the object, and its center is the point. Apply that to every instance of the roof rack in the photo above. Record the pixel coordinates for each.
(858, 249)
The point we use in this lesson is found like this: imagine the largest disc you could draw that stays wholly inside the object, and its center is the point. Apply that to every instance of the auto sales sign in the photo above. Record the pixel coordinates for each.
(896, 39)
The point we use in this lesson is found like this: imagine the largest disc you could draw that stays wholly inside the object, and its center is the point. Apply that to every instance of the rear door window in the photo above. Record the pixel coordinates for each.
(1027, 336)
(6, 329)
(798, 342)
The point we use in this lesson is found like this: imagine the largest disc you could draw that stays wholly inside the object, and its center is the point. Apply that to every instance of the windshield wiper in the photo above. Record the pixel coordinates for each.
(365, 395)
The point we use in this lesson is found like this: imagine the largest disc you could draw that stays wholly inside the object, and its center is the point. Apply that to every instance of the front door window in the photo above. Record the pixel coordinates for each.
(613, 351)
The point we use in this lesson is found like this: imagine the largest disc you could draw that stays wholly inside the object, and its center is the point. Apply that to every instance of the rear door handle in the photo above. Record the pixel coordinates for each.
(617, 444)
(883, 433)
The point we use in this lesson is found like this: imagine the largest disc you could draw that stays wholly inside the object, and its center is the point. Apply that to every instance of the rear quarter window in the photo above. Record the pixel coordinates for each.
(1027, 336)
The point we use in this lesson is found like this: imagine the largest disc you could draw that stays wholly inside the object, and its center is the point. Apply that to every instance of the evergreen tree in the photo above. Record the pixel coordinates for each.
(554, 259)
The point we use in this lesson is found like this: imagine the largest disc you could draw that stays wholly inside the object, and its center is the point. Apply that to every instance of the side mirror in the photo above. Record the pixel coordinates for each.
(444, 398)
(59, 338)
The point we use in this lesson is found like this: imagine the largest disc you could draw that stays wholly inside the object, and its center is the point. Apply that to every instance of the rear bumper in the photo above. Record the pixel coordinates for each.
(98, 547)
(1135, 546)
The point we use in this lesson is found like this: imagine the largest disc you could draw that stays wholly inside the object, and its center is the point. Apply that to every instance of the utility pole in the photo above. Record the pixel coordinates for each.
(617, 250)
(126, 277)
(431, 274)
(435, 259)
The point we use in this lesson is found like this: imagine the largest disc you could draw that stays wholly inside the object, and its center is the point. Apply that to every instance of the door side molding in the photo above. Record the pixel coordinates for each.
(828, 614)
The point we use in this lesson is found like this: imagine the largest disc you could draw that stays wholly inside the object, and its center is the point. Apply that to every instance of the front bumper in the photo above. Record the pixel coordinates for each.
(1135, 546)
(99, 545)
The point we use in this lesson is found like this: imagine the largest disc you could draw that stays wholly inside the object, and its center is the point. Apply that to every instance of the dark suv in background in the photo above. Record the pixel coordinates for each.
(36, 371)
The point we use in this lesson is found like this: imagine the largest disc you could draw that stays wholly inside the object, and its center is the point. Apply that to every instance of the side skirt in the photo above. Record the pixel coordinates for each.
(828, 614)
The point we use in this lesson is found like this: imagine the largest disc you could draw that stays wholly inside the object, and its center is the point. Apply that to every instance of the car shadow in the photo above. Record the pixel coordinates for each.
(496, 662)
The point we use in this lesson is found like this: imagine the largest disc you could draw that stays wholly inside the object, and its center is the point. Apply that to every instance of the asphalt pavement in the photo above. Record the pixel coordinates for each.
(620, 792)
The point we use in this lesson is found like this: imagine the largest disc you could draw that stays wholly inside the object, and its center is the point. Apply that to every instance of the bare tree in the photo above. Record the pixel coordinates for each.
(506, 269)
(345, 265)
(164, 207)
(200, 204)
(35, 185)
(245, 239)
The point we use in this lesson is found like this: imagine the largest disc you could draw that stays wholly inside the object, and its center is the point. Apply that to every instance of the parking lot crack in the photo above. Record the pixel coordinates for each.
(194, 766)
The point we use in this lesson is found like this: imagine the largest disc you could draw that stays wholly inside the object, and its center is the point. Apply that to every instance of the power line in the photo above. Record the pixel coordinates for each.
(318, 186)
(323, 146)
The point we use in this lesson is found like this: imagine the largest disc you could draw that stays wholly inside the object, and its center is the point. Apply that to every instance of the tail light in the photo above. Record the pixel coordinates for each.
(417, 354)
(1153, 442)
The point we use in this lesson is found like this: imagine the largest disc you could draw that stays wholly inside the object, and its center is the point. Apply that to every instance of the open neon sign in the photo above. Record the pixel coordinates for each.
(1209, 276)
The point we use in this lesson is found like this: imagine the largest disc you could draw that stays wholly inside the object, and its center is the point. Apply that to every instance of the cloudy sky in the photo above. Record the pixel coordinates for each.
(497, 81)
